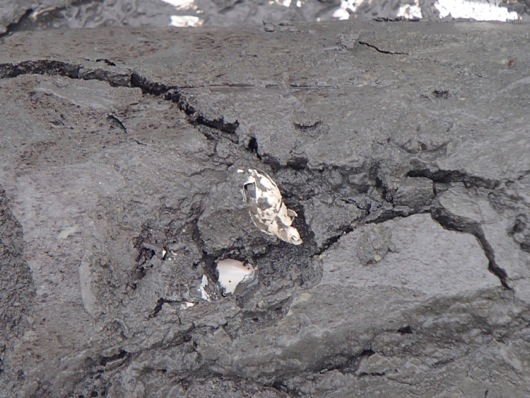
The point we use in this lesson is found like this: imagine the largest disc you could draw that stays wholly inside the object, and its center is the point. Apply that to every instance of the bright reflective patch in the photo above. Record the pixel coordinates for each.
(182, 4)
(232, 273)
(185, 21)
(477, 10)
(267, 210)
(202, 288)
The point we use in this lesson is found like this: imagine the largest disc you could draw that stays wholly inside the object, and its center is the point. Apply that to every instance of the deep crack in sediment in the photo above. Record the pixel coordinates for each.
(120, 78)
(14, 26)
(451, 176)
(441, 215)
(454, 222)
(364, 43)
(461, 224)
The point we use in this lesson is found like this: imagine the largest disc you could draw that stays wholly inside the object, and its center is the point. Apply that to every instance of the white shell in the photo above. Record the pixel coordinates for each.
(232, 273)
(267, 210)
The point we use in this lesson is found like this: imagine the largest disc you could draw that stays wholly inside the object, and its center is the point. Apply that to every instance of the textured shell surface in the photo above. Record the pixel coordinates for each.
(285, 215)
(266, 207)
(263, 196)
(290, 235)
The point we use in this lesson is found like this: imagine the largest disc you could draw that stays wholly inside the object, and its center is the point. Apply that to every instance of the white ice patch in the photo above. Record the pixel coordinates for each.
(232, 273)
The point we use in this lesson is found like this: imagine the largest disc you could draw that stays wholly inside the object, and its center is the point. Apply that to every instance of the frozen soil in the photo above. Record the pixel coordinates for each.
(403, 147)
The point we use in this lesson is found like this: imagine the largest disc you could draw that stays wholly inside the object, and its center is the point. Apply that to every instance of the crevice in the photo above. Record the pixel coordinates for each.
(451, 176)
(122, 356)
(41, 67)
(440, 94)
(159, 304)
(367, 353)
(395, 19)
(347, 363)
(13, 27)
(446, 219)
(173, 94)
(297, 163)
(116, 122)
(304, 127)
(386, 194)
(253, 147)
(372, 216)
(208, 260)
(405, 330)
(332, 240)
(374, 374)
(106, 61)
(120, 79)
(453, 222)
(281, 387)
(147, 252)
(382, 51)
(219, 124)
(383, 216)
(390, 214)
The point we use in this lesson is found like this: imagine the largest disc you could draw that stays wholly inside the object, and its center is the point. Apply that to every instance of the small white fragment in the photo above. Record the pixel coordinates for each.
(202, 288)
(65, 233)
(186, 304)
(185, 21)
(232, 273)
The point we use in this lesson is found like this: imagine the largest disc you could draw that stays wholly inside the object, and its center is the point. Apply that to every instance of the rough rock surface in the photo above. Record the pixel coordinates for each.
(404, 149)
(11, 12)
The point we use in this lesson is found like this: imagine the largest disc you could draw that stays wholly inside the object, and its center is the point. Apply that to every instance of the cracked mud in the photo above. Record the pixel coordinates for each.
(408, 168)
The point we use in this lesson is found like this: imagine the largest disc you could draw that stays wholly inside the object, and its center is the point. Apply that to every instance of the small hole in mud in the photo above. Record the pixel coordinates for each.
(253, 146)
(367, 353)
(443, 94)
(518, 227)
(405, 330)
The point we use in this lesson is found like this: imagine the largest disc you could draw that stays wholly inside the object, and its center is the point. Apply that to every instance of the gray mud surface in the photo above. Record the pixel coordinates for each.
(403, 147)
